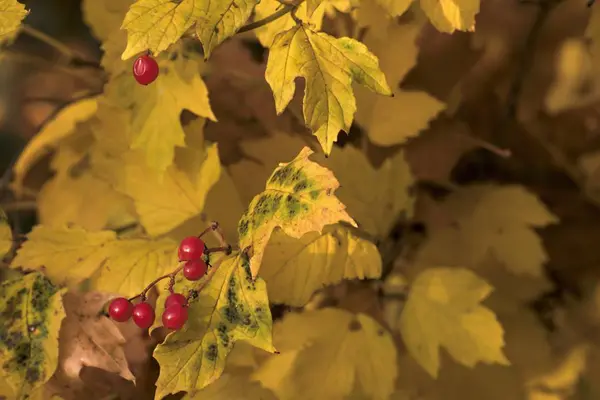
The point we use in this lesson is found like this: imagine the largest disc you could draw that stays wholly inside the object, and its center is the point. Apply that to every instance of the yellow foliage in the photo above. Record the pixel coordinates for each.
(31, 359)
(298, 198)
(451, 15)
(231, 308)
(232, 387)
(155, 126)
(393, 120)
(443, 310)
(373, 196)
(488, 220)
(311, 343)
(156, 24)
(50, 136)
(11, 14)
(295, 268)
(6, 241)
(71, 255)
(329, 67)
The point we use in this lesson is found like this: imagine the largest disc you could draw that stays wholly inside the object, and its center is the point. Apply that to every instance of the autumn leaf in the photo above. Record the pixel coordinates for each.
(6, 240)
(450, 298)
(375, 197)
(71, 255)
(329, 67)
(362, 351)
(451, 15)
(104, 17)
(486, 220)
(32, 314)
(295, 268)
(155, 126)
(387, 119)
(298, 198)
(55, 131)
(11, 14)
(156, 24)
(232, 307)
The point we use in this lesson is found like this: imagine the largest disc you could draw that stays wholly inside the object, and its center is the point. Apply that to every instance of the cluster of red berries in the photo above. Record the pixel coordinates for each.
(191, 251)
(145, 69)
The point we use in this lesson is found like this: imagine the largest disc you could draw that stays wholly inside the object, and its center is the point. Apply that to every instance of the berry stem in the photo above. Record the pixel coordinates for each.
(171, 277)
(225, 249)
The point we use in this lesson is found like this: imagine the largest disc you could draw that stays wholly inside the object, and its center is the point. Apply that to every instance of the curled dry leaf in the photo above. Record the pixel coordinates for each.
(88, 339)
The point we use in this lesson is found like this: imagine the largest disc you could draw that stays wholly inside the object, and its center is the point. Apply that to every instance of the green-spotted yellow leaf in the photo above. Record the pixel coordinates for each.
(6, 241)
(329, 67)
(11, 14)
(298, 198)
(32, 312)
(231, 307)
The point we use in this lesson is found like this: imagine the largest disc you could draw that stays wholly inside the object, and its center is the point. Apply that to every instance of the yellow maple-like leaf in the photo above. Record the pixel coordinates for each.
(298, 198)
(231, 308)
(295, 268)
(395, 8)
(156, 109)
(164, 204)
(55, 131)
(11, 14)
(443, 310)
(390, 121)
(329, 67)
(488, 220)
(71, 255)
(375, 197)
(451, 15)
(326, 354)
(32, 314)
(6, 241)
(104, 17)
(156, 24)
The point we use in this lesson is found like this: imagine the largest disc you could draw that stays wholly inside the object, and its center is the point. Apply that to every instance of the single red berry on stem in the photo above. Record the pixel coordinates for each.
(194, 269)
(175, 299)
(174, 317)
(143, 315)
(120, 309)
(191, 248)
(145, 69)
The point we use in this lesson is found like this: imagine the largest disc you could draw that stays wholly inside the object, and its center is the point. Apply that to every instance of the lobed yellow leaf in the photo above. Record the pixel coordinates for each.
(232, 307)
(11, 14)
(391, 121)
(329, 67)
(6, 240)
(298, 198)
(326, 354)
(54, 132)
(104, 17)
(492, 220)
(443, 310)
(72, 255)
(451, 15)
(155, 126)
(375, 197)
(156, 24)
(295, 268)
(32, 314)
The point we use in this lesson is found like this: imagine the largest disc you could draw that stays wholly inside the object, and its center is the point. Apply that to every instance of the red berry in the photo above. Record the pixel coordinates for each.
(175, 317)
(120, 309)
(175, 299)
(194, 269)
(145, 69)
(143, 315)
(191, 248)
